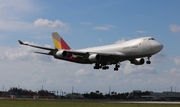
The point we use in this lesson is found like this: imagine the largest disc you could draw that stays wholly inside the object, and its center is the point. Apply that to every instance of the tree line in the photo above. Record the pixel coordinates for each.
(19, 92)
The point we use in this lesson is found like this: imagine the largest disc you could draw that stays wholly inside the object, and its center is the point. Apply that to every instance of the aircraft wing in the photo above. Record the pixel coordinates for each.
(40, 47)
(106, 57)
(80, 53)
(83, 54)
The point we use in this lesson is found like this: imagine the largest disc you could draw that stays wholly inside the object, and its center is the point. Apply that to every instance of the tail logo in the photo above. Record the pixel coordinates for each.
(59, 42)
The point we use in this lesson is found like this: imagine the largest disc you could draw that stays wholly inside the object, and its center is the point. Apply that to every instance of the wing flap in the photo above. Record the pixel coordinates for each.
(42, 53)
(107, 54)
(109, 58)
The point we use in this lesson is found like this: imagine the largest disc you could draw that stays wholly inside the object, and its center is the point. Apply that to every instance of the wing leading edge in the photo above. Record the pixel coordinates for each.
(35, 46)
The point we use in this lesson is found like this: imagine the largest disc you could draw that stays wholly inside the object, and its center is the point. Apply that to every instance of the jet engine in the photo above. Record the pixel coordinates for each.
(137, 61)
(94, 57)
(61, 54)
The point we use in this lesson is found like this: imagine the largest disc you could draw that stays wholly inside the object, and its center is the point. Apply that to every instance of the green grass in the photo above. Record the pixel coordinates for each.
(71, 103)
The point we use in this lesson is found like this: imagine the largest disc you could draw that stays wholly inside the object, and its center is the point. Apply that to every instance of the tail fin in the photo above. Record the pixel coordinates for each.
(59, 43)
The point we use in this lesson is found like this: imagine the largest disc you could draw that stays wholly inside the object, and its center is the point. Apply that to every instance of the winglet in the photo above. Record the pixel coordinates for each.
(20, 42)
(59, 42)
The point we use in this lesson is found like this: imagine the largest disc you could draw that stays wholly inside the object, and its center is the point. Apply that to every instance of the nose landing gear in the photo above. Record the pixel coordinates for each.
(148, 61)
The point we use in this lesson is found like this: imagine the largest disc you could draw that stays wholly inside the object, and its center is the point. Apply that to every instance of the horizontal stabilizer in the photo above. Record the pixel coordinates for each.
(42, 53)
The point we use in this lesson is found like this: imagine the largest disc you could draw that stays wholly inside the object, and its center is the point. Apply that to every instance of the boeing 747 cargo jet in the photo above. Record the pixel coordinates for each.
(133, 50)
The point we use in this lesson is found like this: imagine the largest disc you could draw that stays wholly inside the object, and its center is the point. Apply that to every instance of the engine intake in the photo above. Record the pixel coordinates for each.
(138, 61)
(61, 54)
(94, 58)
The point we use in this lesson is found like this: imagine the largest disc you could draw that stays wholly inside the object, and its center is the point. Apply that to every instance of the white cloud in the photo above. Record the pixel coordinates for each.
(135, 69)
(110, 26)
(174, 28)
(100, 39)
(50, 24)
(141, 31)
(100, 28)
(83, 72)
(22, 67)
(80, 72)
(175, 71)
(15, 9)
(120, 41)
(15, 25)
(172, 75)
(86, 23)
(128, 68)
(7, 53)
(105, 27)
(177, 60)
(159, 58)
(12, 14)
(41, 37)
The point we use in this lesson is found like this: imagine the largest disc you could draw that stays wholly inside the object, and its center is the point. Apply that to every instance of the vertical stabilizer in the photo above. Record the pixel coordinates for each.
(59, 43)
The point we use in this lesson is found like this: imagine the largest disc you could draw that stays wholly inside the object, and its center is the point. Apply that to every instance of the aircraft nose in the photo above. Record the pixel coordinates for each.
(156, 46)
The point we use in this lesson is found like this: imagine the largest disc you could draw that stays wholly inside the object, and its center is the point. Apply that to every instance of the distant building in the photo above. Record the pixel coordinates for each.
(166, 95)
(74, 96)
(150, 95)
(135, 94)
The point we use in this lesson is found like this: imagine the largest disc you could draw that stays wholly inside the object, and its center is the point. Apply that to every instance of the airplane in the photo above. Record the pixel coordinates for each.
(102, 56)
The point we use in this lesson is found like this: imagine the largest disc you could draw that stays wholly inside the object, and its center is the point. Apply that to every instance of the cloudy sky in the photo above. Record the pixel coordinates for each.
(84, 23)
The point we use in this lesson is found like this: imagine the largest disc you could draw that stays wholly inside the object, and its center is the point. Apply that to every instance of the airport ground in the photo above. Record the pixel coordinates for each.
(81, 103)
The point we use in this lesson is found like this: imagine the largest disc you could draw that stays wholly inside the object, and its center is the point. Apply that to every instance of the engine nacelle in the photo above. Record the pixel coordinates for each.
(61, 54)
(138, 61)
(94, 57)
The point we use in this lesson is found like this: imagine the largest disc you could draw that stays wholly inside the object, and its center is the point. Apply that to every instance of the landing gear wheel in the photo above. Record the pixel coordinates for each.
(116, 67)
(105, 67)
(97, 66)
(148, 62)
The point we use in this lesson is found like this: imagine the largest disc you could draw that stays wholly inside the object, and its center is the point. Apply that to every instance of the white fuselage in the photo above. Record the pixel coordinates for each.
(136, 47)
(130, 50)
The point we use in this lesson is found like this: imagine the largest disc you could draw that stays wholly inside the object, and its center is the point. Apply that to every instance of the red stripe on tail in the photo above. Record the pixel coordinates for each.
(64, 45)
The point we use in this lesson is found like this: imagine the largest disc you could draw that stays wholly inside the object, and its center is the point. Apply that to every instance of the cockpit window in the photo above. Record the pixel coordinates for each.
(151, 39)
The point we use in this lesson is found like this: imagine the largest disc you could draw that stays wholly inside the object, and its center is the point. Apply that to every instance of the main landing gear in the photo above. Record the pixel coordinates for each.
(104, 67)
(117, 66)
(98, 66)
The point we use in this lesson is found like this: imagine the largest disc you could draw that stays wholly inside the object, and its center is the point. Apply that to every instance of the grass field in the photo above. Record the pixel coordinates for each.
(72, 103)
